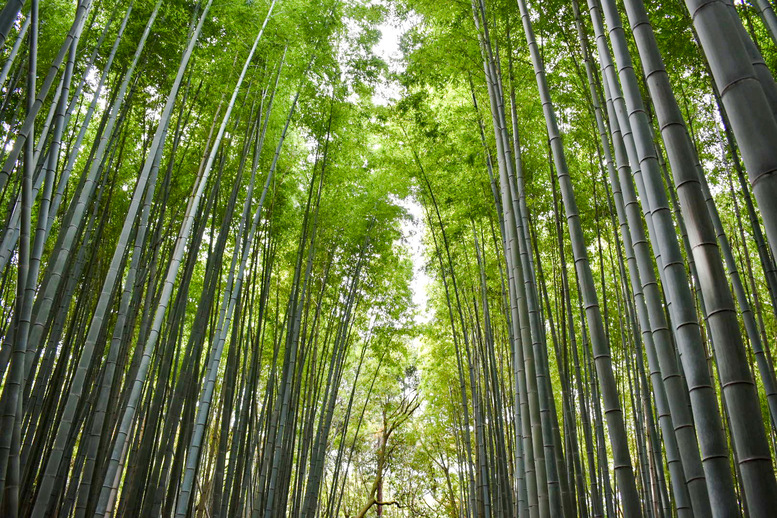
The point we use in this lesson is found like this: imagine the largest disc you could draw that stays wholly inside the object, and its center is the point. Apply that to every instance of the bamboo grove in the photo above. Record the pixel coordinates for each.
(211, 303)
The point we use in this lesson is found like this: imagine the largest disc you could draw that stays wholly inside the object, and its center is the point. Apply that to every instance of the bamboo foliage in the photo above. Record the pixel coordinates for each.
(253, 264)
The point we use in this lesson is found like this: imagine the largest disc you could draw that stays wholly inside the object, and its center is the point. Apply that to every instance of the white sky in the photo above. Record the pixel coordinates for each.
(413, 229)
(391, 31)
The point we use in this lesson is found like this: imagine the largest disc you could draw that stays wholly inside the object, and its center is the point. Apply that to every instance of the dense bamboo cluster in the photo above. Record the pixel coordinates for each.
(179, 297)
(675, 416)
(206, 301)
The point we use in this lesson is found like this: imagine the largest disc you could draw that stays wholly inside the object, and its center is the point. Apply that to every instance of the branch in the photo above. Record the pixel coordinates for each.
(392, 502)
(374, 501)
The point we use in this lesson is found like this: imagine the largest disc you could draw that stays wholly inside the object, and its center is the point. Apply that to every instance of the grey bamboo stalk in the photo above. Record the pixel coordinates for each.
(14, 51)
(229, 302)
(751, 117)
(762, 71)
(76, 146)
(312, 498)
(596, 497)
(57, 262)
(137, 384)
(41, 231)
(203, 307)
(274, 452)
(63, 430)
(225, 315)
(674, 415)
(617, 430)
(738, 388)
(525, 477)
(641, 151)
(280, 447)
(766, 11)
(99, 408)
(25, 131)
(33, 251)
(744, 253)
(549, 419)
(767, 263)
(751, 327)
(12, 396)
(677, 475)
(536, 480)
(7, 17)
(548, 495)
